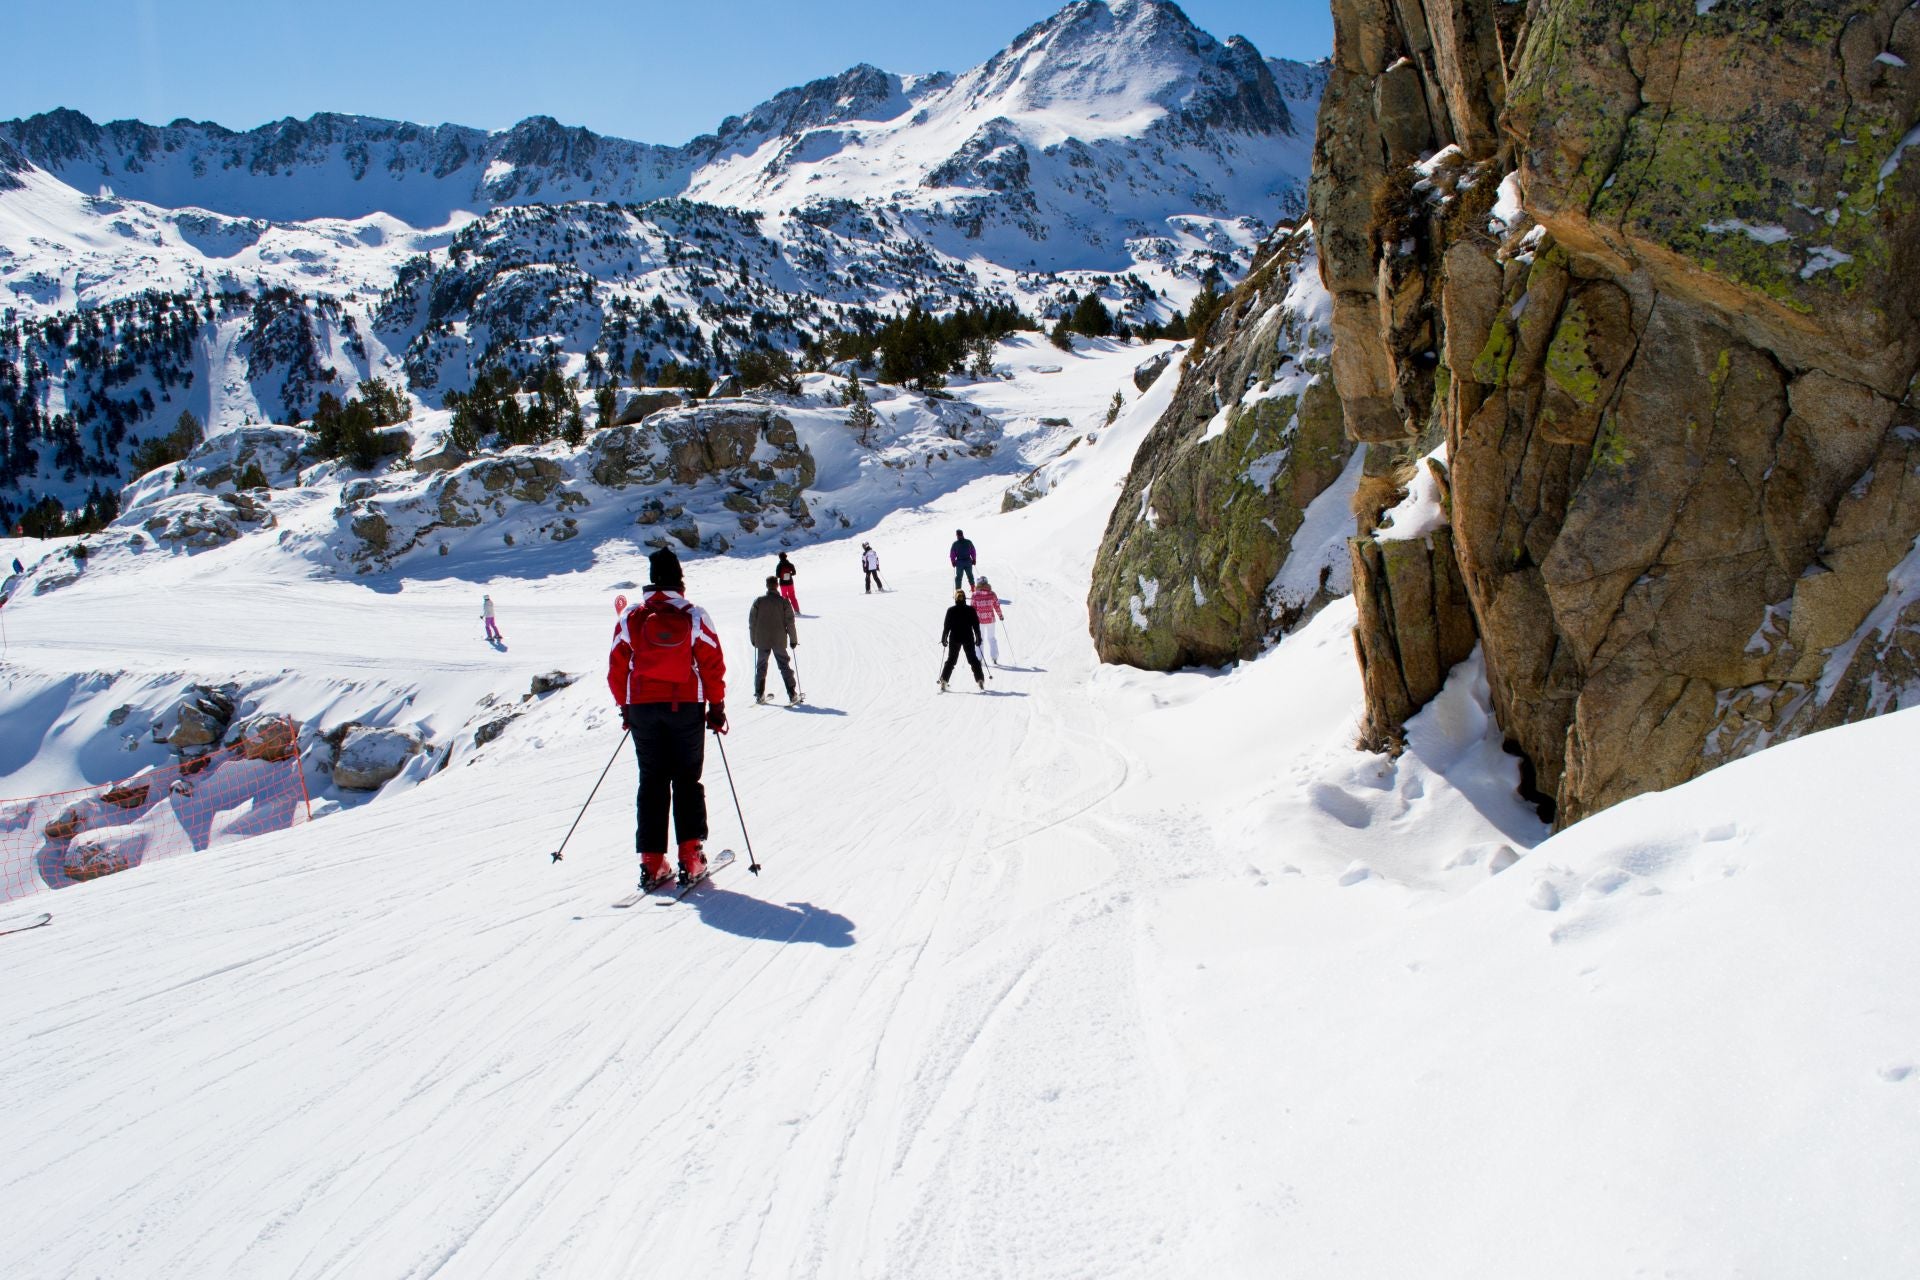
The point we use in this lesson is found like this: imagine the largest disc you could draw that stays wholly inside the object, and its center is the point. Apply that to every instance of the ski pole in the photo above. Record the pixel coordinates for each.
(596, 788)
(753, 863)
(799, 685)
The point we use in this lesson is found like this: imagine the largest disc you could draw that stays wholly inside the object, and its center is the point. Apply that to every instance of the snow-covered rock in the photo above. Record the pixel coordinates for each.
(372, 757)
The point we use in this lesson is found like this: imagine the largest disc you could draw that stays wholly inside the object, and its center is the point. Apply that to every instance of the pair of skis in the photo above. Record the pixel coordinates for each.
(671, 885)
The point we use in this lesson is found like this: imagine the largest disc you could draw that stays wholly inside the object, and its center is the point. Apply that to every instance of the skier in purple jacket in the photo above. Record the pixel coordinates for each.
(961, 556)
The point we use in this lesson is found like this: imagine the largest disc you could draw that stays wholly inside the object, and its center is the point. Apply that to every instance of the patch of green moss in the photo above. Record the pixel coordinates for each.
(1551, 260)
(1490, 366)
(1442, 386)
(1610, 448)
(1569, 360)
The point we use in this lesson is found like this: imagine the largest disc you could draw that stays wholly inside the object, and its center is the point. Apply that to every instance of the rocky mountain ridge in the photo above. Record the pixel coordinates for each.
(1113, 149)
(1097, 69)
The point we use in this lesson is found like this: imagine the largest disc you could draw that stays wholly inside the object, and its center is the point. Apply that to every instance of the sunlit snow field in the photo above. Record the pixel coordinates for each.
(1101, 973)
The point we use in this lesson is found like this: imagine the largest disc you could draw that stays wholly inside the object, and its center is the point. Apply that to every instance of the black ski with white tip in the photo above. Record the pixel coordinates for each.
(25, 923)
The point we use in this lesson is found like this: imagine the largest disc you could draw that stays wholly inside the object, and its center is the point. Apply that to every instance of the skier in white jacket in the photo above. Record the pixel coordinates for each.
(870, 563)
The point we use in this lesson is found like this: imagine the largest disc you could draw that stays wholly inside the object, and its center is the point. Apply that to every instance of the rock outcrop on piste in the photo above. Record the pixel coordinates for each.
(1648, 272)
(1199, 563)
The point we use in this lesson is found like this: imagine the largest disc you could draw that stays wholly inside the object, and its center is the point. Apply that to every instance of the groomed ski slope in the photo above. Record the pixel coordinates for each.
(1101, 974)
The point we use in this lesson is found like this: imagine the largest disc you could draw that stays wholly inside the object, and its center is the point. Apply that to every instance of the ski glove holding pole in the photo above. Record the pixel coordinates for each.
(717, 716)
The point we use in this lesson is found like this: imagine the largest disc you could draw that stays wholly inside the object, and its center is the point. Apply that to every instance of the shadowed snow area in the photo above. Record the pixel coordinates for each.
(1102, 973)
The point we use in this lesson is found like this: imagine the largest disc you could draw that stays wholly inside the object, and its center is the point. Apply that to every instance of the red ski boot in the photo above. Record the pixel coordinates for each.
(654, 871)
(693, 861)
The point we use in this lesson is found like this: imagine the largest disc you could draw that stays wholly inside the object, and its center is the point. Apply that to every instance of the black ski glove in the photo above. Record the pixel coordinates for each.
(717, 716)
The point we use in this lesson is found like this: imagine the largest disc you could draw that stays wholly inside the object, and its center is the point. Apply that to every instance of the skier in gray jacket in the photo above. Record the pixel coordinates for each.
(770, 628)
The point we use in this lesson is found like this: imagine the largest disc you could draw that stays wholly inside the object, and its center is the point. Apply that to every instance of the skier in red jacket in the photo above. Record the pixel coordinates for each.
(669, 677)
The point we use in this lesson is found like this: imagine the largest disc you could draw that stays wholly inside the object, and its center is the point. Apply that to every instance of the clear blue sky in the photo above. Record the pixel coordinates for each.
(641, 69)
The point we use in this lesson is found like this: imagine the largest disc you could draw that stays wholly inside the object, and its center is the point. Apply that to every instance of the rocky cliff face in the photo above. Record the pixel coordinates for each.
(1647, 271)
(1198, 564)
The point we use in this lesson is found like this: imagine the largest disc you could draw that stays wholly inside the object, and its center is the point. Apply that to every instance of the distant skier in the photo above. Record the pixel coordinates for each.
(486, 614)
(986, 606)
(962, 632)
(961, 555)
(669, 676)
(870, 564)
(784, 571)
(770, 627)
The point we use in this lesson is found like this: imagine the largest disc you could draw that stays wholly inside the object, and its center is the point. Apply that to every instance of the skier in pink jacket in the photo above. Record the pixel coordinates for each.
(986, 606)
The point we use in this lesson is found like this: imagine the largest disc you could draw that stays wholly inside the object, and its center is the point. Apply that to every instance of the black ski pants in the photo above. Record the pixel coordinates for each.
(873, 580)
(760, 670)
(670, 739)
(954, 648)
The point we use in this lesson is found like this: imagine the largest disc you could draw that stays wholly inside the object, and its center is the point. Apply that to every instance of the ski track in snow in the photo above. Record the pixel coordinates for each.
(1070, 979)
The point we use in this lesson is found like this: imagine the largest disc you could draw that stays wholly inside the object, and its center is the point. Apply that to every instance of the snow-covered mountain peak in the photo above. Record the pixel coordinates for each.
(862, 92)
(1118, 65)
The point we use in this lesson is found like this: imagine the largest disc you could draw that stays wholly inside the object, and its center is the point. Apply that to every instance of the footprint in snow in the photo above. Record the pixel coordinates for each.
(1896, 1073)
(1602, 883)
(1543, 896)
(1355, 873)
(1341, 807)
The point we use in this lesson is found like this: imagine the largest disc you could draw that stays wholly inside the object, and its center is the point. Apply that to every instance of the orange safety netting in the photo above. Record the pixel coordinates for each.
(254, 786)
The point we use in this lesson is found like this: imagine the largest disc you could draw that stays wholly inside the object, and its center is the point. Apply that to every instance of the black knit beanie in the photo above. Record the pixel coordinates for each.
(665, 568)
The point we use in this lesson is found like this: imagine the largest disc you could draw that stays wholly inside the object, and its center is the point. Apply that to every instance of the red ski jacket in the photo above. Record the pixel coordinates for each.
(650, 677)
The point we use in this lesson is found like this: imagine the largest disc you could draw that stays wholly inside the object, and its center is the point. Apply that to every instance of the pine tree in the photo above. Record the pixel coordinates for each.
(173, 446)
(1091, 317)
(982, 365)
(860, 415)
(1118, 403)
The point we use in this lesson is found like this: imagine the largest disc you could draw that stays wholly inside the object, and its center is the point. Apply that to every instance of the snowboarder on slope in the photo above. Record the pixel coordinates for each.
(669, 676)
(962, 632)
(987, 606)
(770, 627)
(784, 571)
(961, 555)
(870, 565)
(486, 614)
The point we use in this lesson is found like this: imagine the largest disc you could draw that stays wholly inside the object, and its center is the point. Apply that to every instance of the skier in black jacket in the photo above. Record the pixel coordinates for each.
(962, 631)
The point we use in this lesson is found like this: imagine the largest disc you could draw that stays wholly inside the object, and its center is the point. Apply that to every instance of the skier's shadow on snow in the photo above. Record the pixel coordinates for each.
(1010, 667)
(498, 646)
(811, 709)
(749, 917)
